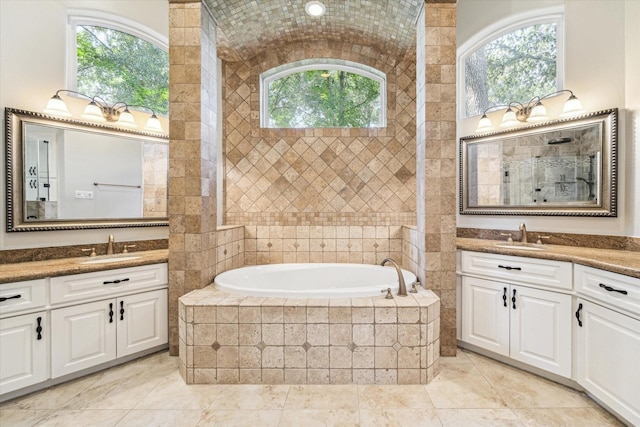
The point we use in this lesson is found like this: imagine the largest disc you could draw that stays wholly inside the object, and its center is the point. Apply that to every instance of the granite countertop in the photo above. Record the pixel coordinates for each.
(16, 272)
(617, 261)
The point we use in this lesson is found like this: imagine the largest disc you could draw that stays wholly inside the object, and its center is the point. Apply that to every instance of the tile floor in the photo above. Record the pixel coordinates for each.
(470, 390)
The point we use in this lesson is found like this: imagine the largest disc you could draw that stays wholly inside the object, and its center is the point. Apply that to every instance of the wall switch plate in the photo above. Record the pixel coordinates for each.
(84, 194)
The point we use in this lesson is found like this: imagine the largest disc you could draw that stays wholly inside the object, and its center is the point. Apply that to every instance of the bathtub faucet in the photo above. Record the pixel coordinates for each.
(402, 288)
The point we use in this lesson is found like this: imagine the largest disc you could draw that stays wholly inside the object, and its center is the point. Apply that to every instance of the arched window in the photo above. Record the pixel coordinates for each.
(323, 93)
(118, 60)
(513, 60)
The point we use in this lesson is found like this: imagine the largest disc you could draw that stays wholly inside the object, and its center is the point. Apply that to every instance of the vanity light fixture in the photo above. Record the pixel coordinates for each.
(533, 112)
(99, 110)
(315, 8)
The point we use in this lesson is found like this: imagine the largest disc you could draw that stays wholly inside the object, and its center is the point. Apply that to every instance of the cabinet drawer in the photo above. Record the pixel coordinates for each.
(514, 269)
(22, 296)
(617, 290)
(88, 286)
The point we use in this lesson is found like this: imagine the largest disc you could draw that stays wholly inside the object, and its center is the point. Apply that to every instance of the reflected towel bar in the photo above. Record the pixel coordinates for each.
(117, 185)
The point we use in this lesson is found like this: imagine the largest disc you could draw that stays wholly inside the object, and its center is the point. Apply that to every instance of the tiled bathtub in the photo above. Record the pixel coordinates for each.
(227, 339)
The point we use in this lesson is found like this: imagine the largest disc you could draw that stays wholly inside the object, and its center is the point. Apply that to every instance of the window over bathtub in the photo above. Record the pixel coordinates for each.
(513, 60)
(323, 93)
(117, 59)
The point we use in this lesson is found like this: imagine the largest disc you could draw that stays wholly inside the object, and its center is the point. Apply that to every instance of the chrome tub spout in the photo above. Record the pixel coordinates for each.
(402, 288)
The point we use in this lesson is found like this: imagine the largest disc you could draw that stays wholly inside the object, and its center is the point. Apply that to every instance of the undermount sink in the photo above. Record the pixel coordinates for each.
(109, 258)
(519, 246)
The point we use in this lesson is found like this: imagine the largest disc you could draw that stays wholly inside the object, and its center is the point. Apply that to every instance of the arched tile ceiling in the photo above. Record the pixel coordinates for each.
(247, 27)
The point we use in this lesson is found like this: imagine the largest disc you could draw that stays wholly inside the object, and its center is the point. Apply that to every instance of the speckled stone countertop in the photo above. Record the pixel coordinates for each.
(617, 261)
(16, 272)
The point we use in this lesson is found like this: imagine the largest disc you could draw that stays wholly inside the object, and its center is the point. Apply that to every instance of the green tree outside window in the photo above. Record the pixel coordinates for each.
(120, 67)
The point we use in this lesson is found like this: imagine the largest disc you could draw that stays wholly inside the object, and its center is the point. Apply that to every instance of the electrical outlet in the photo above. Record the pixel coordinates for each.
(84, 194)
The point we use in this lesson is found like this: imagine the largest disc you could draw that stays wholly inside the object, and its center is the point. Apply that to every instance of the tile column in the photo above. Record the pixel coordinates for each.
(436, 159)
(192, 153)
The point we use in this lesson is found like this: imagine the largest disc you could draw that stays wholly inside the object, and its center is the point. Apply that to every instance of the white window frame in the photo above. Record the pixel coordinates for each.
(552, 15)
(320, 64)
(76, 17)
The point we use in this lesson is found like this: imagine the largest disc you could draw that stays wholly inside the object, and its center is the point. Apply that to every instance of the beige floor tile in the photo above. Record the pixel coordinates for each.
(243, 418)
(83, 418)
(322, 397)
(251, 397)
(461, 357)
(173, 393)
(162, 418)
(393, 396)
(521, 389)
(53, 397)
(478, 418)
(319, 418)
(122, 387)
(565, 417)
(399, 418)
(462, 386)
(21, 417)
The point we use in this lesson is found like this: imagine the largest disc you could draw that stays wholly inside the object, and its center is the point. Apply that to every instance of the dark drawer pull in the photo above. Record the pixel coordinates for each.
(121, 310)
(610, 289)
(115, 281)
(507, 267)
(2, 299)
(39, 328)
(504, 297)
(110, 312)
(578, 315)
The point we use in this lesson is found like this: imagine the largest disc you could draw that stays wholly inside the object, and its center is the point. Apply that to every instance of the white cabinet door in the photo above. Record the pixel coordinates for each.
(142, 321)
(84, 336)
(541, 329)
(609, 358)
(23, 351)
(485, 314)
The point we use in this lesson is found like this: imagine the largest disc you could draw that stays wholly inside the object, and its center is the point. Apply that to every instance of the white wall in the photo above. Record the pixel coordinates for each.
(32, 67)
(602, 41)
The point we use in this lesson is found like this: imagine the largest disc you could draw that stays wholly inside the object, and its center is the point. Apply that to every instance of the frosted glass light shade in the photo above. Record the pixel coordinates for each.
(484, 125)
(57, 107)
(153, 124)
(509, 119)
(573, 107)
(538, 114)
(94, 113)
(126, 120)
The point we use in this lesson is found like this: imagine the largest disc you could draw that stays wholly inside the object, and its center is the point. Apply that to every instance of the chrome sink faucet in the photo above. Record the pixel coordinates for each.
(402, 288)
(523, 229)
(110, 245)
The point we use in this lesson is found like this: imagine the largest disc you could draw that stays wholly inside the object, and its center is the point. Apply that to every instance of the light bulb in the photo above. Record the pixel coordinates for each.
(538, 113)
(484, 125)
(315, 8)
(153, 124)
(57, 107)
(93, 112)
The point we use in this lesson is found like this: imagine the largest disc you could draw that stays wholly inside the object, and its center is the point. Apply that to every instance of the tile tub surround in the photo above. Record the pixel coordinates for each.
(226, 339)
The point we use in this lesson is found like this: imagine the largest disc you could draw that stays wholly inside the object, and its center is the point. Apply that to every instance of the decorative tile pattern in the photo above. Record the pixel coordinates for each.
(312, 341)
(327, 176)
(383, 25)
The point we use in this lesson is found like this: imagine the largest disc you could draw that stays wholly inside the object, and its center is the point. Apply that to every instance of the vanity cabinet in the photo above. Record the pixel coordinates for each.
(607, 324)
(23, 351)
(53, 327)
(526, 324)
(89, 334)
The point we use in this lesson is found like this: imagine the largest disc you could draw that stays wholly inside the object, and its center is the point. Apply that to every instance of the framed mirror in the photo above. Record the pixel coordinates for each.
(64, 174)
(564, 167)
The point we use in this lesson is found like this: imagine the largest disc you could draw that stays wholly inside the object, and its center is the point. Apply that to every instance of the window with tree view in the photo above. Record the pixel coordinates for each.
(513, 67)
(117, 66)
(324, 98)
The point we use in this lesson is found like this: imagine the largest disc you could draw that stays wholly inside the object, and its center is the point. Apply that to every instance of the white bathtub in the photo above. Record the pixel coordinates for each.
(312, 280)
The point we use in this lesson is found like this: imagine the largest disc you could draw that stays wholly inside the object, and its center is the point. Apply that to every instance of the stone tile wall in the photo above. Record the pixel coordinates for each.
(436, 141)
(192, 154)
(226, 339)
(328, 176)
(155, 169)
(230, 248)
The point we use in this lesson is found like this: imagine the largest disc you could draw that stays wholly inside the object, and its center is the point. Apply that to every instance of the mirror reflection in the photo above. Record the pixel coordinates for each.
(68, 174)
(561, 168)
